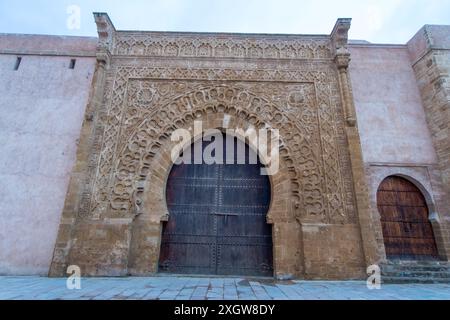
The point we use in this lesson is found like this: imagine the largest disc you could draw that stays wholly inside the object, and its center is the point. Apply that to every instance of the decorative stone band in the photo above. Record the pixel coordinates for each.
(154, 44)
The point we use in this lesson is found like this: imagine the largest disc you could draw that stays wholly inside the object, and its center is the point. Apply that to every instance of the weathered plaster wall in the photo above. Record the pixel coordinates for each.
(41, 111)
(388, 105)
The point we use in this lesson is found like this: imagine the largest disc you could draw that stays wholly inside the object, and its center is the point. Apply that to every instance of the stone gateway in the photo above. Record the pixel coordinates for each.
(126, 209)
(352, 189)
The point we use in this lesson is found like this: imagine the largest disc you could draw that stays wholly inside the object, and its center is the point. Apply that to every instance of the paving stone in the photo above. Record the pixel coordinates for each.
(152, 294)
(186, 288)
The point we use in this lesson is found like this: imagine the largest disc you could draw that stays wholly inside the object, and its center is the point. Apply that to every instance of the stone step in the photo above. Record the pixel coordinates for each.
(417, 274)
(389, 269)
(417, 263)
(400, 280)
(441, 266)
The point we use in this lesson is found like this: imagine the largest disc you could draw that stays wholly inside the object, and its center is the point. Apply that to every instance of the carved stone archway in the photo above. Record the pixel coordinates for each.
(407, 230)
(419, 177)
(151, 135)
(149, 192)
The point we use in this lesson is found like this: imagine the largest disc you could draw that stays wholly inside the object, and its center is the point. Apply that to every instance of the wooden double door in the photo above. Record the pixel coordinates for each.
(407, 231)
(217, 223)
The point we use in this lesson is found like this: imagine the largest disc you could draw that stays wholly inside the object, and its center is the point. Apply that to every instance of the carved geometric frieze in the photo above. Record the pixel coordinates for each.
(154, 44)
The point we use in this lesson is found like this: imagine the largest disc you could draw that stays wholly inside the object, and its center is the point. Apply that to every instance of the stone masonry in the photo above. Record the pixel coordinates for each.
(322, 216)
(430, 56)
(350, 114)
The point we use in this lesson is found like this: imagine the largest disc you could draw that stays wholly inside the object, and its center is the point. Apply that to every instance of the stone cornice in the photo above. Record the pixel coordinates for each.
(44, 53)
(47, 45)
(216, 45)
(339, 36)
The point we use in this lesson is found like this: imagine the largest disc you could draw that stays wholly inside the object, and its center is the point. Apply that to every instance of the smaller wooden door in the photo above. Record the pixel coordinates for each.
(407, 231)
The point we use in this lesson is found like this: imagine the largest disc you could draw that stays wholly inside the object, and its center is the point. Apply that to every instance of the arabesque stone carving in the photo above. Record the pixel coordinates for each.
(151, 110)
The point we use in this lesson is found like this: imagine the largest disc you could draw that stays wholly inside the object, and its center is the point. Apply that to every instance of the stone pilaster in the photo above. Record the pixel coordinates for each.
(430, 56)
(78, 194)
(339, 38)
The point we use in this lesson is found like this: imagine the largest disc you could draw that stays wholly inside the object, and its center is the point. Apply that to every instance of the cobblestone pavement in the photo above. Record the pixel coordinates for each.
(197, 288)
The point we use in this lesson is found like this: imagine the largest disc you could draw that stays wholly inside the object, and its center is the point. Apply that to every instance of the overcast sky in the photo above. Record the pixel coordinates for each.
(382, 21)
